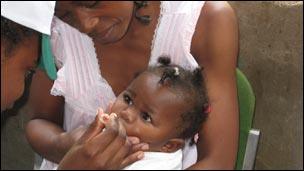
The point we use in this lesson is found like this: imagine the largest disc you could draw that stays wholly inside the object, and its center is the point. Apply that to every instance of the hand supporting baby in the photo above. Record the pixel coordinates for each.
(104, 145)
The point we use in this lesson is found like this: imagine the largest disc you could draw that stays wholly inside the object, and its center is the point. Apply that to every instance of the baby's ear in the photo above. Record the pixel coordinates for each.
(173, 145)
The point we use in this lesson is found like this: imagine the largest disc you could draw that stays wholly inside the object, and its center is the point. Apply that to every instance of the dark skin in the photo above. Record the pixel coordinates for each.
(14, 67)
(98, 152)
(95, 149)
(214, 46)
(145, 108)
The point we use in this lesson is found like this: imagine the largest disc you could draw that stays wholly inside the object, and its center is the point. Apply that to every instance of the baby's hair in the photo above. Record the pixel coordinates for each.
(190, 86)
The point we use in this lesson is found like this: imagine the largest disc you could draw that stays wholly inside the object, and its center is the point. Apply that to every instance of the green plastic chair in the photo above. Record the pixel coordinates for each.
(248, 137)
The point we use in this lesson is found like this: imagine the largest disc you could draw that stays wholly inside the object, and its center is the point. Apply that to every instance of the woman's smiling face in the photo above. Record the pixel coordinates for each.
(104, 21)
(150, 111)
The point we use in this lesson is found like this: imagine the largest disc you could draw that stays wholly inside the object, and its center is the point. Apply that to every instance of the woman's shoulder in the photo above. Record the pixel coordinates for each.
(216, 18)
(215, 13)
(216, 9)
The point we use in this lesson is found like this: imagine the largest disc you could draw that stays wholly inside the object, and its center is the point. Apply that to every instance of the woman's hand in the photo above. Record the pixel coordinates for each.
(66, 140)
(100, 148)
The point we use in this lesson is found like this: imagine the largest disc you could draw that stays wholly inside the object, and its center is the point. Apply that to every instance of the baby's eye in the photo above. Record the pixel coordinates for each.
(146, 117)
(128, 99)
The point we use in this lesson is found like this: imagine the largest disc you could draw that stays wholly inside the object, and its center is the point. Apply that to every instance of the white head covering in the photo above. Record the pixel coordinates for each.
(36, 15)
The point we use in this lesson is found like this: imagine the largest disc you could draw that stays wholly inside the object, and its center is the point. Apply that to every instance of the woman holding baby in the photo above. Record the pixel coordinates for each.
(99, 46)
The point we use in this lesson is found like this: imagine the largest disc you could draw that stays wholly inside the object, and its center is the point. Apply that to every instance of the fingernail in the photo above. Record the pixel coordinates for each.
(145, 147)
(113, 115)
(105, 118)
(141, 155)
(133, 140)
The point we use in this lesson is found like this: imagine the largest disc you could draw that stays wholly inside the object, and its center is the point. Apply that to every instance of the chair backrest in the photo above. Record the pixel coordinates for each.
(246, 101)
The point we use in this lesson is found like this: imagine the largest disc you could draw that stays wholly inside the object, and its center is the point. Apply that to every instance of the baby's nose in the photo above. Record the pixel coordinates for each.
(128, 115)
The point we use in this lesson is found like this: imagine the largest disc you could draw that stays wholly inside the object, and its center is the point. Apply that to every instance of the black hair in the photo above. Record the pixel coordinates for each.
(13, 34)
(190, 86)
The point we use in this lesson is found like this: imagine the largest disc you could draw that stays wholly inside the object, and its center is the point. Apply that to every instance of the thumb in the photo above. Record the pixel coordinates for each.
(94, 128)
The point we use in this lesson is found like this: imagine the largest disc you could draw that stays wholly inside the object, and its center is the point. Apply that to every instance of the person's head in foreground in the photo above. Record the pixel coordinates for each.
(18, 63)
(22, 24)
(163, 106)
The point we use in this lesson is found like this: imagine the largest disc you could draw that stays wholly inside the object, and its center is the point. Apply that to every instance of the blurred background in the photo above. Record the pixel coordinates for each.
(271, 56)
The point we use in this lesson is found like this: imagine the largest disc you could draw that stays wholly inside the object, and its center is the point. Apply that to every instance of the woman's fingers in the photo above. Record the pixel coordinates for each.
(139, 147)
(104, 146)
(133, 140)
(118, 130)
(115, 161)
(109, 143)
(131, 158)
(129, 154)
(94, 128)
(99, 144)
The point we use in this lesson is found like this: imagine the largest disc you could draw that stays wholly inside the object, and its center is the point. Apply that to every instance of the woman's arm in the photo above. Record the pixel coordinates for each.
(216, 49)
(46, 112)
(83, 148)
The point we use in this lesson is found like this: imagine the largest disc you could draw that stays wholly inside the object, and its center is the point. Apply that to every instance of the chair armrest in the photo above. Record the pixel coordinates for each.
(251, 149)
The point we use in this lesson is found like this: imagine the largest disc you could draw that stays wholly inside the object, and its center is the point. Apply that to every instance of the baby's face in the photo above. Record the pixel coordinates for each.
(150, 111)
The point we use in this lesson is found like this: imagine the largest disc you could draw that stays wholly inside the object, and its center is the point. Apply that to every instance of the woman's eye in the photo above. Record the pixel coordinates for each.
(29, 73)
(128, 99)
(146, 117)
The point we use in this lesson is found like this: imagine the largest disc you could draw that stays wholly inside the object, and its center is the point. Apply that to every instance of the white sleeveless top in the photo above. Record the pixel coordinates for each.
(79, 79)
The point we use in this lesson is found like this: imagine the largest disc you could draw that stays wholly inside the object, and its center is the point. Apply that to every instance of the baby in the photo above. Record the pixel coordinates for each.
(163, 107)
